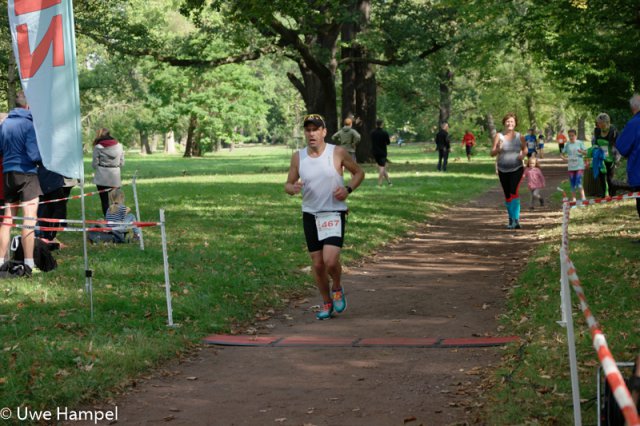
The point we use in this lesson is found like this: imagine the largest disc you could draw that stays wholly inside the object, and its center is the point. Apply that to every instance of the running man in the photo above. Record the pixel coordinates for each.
(316, 172)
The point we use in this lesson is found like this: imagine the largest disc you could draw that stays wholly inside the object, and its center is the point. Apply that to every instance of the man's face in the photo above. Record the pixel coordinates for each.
(315, 135)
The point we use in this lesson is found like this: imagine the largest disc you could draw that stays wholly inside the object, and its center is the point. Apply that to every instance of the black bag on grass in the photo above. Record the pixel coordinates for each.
(611, 414)
(42, 256)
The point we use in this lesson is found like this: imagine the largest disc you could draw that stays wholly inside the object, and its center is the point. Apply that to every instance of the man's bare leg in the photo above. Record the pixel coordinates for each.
(5, 231)
(28, 235)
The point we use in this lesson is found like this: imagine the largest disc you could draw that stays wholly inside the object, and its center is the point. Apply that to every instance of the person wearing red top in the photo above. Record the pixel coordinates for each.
(468, 141)
(562, 139)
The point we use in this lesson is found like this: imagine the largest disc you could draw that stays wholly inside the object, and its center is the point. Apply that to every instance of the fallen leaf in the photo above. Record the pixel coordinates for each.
(410, 419)
(281, 420)
(192, 378)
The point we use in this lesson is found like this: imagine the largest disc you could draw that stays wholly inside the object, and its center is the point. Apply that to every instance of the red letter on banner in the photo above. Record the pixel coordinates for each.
(27, 6)
(30, 63)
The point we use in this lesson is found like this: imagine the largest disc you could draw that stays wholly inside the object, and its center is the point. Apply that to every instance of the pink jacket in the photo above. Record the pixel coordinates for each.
(535, 179)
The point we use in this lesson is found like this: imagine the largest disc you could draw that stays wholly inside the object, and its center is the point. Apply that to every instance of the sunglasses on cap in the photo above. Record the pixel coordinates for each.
(315, 119)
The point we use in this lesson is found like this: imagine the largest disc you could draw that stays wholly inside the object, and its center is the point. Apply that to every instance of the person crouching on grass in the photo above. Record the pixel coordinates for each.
(316, 171)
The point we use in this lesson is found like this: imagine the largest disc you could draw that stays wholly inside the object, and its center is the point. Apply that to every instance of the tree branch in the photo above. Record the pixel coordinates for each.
(394, 61)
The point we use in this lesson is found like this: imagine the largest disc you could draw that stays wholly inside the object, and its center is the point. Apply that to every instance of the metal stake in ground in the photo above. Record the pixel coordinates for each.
(88, 284)
(135, 198)
(165, 258)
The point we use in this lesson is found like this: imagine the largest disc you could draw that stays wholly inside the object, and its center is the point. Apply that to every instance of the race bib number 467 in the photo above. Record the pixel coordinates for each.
(328, 225)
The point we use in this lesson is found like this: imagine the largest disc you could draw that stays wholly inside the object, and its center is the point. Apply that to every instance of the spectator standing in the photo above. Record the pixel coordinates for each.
(51, 184)
(603, 152)
(347, 137)
(108, 159)
(443, 146)
(21, 158)
(379, 142)
(628, 144)
(468, 141)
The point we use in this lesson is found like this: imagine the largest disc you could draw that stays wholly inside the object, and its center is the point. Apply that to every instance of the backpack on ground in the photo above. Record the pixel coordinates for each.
(42, 256)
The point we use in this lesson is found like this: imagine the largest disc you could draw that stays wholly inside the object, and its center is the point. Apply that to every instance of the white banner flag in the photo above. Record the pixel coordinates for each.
(45, 51)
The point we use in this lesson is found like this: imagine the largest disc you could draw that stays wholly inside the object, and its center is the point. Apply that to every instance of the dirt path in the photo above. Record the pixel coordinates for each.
(447, 279)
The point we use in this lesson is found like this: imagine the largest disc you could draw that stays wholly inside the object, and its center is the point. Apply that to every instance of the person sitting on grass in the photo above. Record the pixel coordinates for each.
(119, 213)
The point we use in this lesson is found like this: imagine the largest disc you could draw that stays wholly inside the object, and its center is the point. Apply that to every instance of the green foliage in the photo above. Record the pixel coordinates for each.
(236, 249)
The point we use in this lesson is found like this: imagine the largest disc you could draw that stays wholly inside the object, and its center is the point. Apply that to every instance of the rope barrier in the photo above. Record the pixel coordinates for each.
(73, 197)
(603, 200)
(612, 373)
(93, 222)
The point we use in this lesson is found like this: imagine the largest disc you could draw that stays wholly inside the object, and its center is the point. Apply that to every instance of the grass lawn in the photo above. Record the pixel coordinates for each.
(236, 249)
(533, 384)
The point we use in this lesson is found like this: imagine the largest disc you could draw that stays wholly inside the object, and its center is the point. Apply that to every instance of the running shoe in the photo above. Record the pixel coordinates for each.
(516, 224)
(339, 300)
(325, 312)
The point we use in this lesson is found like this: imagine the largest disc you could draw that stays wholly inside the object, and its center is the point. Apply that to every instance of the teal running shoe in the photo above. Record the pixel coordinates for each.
(325, 312)
(339, 300)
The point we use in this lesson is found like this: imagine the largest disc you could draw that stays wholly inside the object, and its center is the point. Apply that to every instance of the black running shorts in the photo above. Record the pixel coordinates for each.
(311, 233)
(21, 187)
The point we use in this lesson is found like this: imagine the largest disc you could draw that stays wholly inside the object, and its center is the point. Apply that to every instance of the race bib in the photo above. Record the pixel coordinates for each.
(328, 225)
(574, 162)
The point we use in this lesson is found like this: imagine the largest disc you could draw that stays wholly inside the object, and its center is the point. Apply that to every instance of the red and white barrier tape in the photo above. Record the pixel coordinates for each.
(604, 200)
(611, 371)
(73, 197)
(93, 222)
(71, 229)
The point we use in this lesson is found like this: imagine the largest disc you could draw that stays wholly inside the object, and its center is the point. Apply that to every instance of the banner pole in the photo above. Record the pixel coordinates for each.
(165, 258)
(88, 274)
(135, 198)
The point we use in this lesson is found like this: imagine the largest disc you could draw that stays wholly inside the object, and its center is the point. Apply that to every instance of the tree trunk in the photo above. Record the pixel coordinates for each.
(491, 126)
(348, 72)
(531, 110)
(144, 142)
(366, 109)
(193, 124)
(155, 140)
(12, 78)
(196, 148)
(446, 84)
(582, 128)
(366, 90)
(319, 95)
(170, 143)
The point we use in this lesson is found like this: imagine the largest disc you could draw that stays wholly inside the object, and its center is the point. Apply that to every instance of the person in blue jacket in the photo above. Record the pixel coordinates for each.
(628, 145)
(21, 157)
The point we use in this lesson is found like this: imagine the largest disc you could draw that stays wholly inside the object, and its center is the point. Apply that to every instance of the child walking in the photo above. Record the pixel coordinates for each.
(573, 153)
(118, 212)
(535, 180)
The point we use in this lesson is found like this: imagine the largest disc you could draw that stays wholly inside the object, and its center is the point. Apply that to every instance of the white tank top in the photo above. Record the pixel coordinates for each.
(320, 179)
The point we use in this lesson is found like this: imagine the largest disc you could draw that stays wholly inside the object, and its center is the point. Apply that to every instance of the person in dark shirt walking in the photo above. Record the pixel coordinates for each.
(379, 141)
(443, 146)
